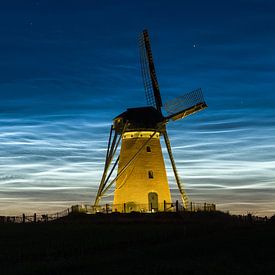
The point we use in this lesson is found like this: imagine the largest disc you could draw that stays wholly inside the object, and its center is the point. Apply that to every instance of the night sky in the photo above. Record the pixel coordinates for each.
(67, 68)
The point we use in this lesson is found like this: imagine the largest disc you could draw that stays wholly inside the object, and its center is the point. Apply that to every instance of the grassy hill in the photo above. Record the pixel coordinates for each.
(161, 243)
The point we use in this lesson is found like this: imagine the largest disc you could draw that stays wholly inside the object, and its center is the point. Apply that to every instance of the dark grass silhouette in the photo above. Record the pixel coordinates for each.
(164, 243)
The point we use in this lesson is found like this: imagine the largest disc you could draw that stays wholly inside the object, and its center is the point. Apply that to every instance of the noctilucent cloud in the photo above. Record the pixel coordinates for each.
(69, 67)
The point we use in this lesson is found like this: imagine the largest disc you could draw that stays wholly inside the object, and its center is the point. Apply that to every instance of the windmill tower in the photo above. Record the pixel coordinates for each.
(141, 182)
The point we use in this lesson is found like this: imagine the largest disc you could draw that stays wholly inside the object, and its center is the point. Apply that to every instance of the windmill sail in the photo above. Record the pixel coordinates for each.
(185, 105)
(148, 72)
(141, 183)
(178, 181)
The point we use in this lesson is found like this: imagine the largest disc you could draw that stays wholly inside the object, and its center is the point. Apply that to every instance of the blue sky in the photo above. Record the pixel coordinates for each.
(68, 67)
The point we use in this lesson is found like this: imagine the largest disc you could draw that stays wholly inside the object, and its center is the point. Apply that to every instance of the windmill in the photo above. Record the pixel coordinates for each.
(141, 181)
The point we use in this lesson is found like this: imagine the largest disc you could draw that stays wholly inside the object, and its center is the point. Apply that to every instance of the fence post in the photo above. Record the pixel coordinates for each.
(106, 208)
(151, 207)
(24, 218)
(164, 205)
(124, 207)
(34, 217)
(191, 206)
(177, 206)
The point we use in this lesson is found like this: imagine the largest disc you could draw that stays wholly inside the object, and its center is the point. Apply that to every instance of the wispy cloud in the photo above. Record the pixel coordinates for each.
(62, 82)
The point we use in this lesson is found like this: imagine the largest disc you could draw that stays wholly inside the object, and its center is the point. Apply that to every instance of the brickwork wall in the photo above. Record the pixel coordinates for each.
(134, 185)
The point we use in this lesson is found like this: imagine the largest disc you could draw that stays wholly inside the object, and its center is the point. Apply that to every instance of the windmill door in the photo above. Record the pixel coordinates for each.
(153, 201)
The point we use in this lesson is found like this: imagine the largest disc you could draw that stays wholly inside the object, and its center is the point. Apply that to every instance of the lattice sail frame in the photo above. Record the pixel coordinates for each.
(185, 105)
(149, 93)
(148, 72)
(184, 102)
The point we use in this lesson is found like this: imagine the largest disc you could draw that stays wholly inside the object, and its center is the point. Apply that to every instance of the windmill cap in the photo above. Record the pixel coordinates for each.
(142, 118)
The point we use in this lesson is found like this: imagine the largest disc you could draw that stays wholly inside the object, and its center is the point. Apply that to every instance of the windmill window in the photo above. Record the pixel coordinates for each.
(150, 174)
(148, 149)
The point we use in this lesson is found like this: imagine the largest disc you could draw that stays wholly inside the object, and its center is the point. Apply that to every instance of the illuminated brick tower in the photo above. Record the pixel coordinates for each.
(141, 182)
(144, 183)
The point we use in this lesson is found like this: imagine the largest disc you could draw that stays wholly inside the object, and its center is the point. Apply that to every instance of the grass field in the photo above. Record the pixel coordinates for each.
(168, 243)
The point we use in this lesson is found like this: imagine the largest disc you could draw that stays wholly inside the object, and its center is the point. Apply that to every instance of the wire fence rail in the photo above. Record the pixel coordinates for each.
(35, 218)
(143, 208)
(110, 208)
